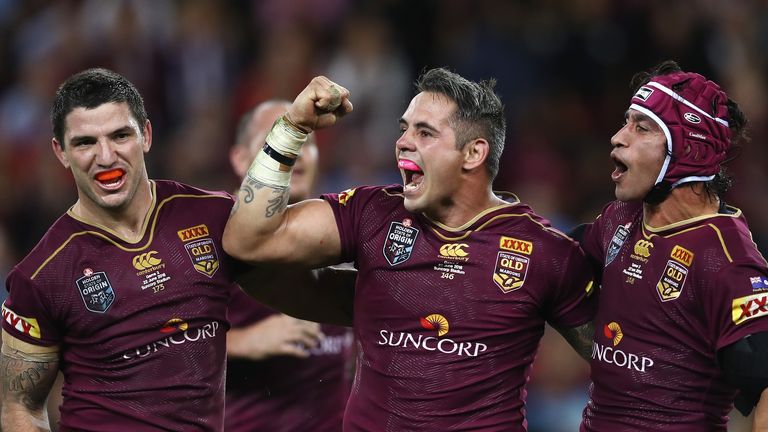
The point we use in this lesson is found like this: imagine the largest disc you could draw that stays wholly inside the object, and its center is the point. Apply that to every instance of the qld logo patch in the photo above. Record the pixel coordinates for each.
(619, 237)
(670, 285)
(96, 291)
(510, 271)
(203, 255)
(399, 243)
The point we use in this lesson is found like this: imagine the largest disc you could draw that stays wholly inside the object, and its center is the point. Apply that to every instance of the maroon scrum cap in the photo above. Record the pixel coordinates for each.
(693, 118)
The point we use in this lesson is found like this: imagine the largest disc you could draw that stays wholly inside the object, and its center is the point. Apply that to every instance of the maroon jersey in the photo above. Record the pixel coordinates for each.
(287, 394)
(448, 320)
(141, 325)
(671, 297)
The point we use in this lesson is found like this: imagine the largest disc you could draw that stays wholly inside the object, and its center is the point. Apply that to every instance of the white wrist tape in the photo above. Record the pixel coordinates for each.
(286, 138)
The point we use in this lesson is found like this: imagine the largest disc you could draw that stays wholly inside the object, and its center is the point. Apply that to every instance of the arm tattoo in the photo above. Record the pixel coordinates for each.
(278, 203)
(580, 338)
(25, 380)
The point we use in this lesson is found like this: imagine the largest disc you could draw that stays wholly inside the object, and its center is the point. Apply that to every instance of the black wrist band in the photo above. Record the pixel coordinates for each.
(276, 155)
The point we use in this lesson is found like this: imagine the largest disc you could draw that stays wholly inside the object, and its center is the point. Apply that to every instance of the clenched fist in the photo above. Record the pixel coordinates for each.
(321, 104)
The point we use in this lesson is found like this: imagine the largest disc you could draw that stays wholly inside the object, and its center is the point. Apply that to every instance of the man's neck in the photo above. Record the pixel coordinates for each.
(683, 203)
(127, 222)
(464, 208)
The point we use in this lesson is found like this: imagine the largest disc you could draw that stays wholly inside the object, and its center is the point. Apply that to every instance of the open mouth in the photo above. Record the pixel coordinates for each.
(412, 173)
(620, 168)
(110, 179)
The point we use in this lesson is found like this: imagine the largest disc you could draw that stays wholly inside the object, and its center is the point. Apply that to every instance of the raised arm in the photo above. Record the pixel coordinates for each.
(262, 228)
(27, 373)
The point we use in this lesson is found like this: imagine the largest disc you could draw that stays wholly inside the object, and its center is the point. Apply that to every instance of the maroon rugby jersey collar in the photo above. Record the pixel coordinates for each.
(688, 223)
(147, 218)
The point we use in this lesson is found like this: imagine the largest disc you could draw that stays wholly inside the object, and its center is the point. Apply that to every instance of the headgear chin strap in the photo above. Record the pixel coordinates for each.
(693, 120)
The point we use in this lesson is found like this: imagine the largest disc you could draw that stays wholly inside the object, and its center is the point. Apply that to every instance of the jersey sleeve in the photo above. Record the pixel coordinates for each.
(24, 315)
(348, 209)
(738, 302)
(574, 299)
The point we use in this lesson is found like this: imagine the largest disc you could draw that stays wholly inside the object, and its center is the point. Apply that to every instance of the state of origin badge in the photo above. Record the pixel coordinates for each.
(399, 242)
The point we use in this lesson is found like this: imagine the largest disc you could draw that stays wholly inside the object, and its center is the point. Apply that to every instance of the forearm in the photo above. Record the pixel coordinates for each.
(580, 338)
(760, 419)
(26, 382)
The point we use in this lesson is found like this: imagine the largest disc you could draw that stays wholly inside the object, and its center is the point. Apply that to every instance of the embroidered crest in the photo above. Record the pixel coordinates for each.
(510, 271)
(399, 243)
(619, 237)
(670, 285)
(203, 255)
(96, 291)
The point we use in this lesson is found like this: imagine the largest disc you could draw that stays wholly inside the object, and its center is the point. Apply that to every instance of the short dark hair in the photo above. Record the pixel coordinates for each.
(480, 112)
(89, 89)
(737, 122)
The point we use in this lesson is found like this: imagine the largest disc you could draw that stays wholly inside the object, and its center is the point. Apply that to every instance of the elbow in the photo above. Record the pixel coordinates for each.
(237, 245)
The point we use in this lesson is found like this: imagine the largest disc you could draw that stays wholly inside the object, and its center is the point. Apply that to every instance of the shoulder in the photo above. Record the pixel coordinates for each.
(170, 189)
(54, 243)
(730, 235)
(523, 220)
(362, 196)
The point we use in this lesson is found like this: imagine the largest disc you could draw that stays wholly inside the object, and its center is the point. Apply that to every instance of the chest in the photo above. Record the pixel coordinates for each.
(177, 273)
(484, 279)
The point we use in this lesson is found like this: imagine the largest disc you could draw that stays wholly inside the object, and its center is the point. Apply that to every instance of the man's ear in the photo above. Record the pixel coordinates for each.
(475, 153)
(60, 155)
(147, 144)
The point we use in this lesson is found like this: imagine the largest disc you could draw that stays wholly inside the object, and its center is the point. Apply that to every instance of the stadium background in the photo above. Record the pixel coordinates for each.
(563, 71)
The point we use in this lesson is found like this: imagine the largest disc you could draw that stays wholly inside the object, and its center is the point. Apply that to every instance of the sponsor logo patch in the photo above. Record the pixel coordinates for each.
(619, 237)
(454, 250)
(346, 196)
(617, 357)
(193, 233)
(691, 117)
(435, 322)
(670, 286)
(203, 255)
(643, 248)
(399, 243)
(26, 325)
(146, 260)
(748, 307)
(175, 332)
(759, 282)
(643, 93)
(96, 291)
(515, 245)
(682, 255)
(435, 342)
(613, 332)
(510, 271)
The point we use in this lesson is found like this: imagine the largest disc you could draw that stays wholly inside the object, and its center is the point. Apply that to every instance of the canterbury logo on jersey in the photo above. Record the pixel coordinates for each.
(146, 260)
(643, 248)
(515, 245)
(454, 250)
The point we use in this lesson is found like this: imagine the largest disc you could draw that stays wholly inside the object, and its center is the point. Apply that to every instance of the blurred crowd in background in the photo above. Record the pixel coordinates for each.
(563, 71)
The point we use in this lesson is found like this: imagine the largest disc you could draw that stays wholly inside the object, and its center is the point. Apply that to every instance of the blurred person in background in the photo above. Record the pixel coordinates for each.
(283, 374)
(455, 281)
(682, 327)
